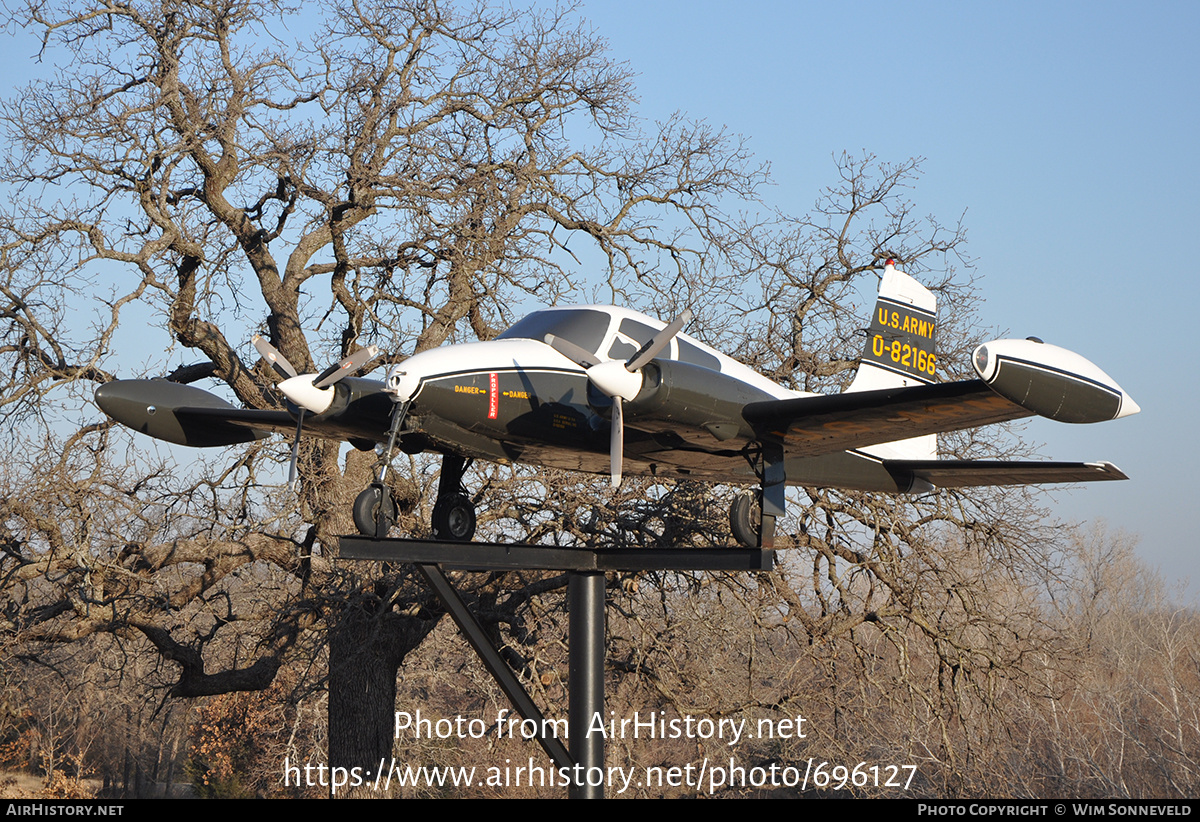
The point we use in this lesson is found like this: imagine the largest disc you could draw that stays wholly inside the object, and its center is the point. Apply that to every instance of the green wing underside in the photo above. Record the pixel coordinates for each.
(253, 424)
(260, 424)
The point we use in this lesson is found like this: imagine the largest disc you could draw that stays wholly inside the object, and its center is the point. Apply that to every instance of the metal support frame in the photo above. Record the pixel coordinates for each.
(498, 556)
(586, 624)
(586, 637)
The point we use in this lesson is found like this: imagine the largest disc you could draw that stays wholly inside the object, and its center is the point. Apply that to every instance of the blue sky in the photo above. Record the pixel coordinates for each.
(1068, 134)
(1065, 131)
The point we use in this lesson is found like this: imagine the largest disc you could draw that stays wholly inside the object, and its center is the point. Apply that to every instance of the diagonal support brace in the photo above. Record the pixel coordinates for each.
(505, 678)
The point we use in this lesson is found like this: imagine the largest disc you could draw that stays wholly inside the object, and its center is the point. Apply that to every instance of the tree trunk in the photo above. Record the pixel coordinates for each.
(365, 652)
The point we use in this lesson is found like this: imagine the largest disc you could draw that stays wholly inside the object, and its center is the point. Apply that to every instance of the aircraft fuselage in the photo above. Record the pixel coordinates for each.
(539, 408)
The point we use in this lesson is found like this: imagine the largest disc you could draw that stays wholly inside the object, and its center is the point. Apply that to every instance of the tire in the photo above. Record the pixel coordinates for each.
(454, 518)
(745, 519)
(374, 512)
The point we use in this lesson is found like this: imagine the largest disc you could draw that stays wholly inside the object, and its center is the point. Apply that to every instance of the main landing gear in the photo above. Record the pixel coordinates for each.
(745, 518)
(753, 514)
(453, 513)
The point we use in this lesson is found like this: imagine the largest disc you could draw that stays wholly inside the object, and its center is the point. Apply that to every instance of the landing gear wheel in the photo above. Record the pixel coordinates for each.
(374, 511)
(454, 518)
(745, 518)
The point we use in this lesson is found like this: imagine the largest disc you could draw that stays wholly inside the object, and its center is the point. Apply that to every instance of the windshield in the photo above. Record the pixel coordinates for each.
(583, 326)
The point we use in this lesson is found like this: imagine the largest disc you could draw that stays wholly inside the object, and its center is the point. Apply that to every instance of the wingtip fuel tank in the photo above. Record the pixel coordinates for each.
(1051, 381)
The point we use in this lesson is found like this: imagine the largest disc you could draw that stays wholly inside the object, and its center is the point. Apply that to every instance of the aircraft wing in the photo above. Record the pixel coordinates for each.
(815, 426)
(261, 423)
(361, 430)
(187, 415)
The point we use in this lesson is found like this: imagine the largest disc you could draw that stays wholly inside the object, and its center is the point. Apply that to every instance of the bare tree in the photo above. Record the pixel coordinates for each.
(410, 174)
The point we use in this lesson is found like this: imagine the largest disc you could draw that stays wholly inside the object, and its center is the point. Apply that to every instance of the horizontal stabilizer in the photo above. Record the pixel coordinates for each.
(974, 473)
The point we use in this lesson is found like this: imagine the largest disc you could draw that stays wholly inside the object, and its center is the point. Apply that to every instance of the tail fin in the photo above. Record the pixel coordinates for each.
(900, 351)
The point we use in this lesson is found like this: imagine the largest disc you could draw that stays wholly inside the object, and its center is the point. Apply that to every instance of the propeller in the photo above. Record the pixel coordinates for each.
(314, 392)
(616, 443)
(272, 355)
(658, 342)
(619, 380)
(346, 367)
(310, 392)
(572, 351)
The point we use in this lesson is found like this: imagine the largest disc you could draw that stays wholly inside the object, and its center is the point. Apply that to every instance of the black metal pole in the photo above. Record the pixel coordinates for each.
(585, 602)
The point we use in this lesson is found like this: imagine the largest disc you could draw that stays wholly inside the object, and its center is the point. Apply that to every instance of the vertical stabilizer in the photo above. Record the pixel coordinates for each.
(900, 351)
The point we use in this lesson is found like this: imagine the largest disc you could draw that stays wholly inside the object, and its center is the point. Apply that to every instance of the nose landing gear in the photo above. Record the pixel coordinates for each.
(453, 513)
(374, 511)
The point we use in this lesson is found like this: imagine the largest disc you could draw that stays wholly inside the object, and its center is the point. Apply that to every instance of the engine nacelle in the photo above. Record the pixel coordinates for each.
(691, 395)
(1051, 381)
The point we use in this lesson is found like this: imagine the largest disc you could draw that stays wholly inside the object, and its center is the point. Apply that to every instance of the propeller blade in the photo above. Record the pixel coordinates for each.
(658, 342)
(271, 354)
(616, 442)
(572, 351)
(293, 481)
(346, 367)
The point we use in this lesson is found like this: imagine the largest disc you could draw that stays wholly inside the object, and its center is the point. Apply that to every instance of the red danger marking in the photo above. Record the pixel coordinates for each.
(493, 396)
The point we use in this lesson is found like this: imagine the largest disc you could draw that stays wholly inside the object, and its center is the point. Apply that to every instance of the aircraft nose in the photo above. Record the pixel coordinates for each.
(404, 380)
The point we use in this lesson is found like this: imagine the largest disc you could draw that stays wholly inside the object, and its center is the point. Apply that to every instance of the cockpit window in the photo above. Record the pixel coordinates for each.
(582, 326)
(642, 333)
(587, 327)
(634, 330)
(696, 356)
